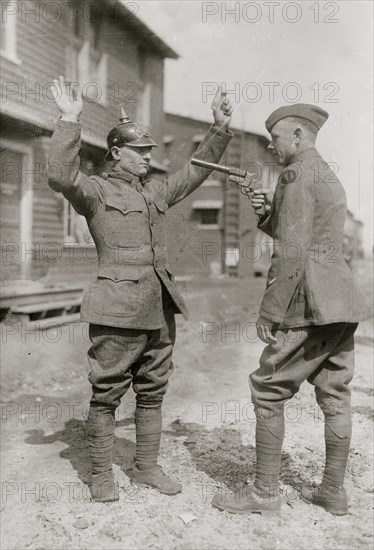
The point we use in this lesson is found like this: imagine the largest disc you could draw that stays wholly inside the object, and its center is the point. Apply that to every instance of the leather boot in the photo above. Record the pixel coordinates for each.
(147, 473)
(156, 479)
(331, 494)
(251, 499)
(333, 499)
(104, 488)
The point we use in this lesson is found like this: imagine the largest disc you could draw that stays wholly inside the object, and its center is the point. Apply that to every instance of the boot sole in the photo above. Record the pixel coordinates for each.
(105, 499)
(329, 509)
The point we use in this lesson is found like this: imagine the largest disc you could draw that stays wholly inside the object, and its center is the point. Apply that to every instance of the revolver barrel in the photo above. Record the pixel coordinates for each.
(219, 168)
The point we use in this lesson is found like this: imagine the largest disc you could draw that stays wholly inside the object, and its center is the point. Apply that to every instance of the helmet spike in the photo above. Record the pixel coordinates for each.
(124, 118)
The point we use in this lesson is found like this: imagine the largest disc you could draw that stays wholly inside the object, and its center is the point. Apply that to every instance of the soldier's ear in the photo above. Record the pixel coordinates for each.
(116, 153)
(298, 133)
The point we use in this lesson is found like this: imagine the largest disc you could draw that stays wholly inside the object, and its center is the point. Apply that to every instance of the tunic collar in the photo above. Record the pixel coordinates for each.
(307, 153)
(124, 176)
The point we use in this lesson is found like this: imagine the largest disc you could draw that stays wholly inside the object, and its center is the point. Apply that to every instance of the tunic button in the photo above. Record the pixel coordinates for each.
(116, 278)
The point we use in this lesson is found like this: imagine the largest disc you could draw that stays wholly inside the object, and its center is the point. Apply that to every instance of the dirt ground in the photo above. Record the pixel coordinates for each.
(207, 444)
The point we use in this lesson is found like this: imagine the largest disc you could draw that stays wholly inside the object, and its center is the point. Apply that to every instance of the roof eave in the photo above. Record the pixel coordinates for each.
(133, 21)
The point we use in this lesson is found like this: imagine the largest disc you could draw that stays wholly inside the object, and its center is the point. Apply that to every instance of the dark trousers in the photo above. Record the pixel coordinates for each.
(322, 355)
(120, 356)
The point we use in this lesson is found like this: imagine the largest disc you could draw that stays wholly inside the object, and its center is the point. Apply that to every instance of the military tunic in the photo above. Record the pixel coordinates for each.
(309, 282)
(310, 295)
(131, 304)
(126, 219)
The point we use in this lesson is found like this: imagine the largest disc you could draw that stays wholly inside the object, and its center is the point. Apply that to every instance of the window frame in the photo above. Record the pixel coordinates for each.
(26, 202)
(207, 204)
(9, 31)
(70, 216)
(68, 237)
(82, 56)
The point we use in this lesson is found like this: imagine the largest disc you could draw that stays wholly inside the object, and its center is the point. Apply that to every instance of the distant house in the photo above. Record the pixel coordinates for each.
(213, 231)
(118, 60)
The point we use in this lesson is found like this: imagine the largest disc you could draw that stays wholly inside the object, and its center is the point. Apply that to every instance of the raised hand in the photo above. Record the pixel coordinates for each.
(222, 114)
(68, 99)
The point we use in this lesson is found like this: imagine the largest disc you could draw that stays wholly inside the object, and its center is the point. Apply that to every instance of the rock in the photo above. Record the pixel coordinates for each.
(81, 524)
(107, 532)
(153, 512)
(187, 517)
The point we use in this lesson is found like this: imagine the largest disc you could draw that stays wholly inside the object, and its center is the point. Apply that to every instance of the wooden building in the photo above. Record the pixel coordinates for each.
(118, 60)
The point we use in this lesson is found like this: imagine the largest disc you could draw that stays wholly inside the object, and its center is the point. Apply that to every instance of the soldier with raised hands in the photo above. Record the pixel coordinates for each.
(130, 307)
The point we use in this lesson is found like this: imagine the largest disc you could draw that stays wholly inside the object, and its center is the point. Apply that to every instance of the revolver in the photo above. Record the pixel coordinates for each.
(237, 172)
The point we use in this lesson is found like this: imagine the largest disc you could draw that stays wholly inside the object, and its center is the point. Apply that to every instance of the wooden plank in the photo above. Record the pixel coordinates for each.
(11, 298)
(43, 324)
(46, 306)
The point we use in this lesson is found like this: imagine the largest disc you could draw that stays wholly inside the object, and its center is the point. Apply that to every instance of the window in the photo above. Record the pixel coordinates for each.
(207, 213)
(77, 19)
(144, 109)
(9, 31)
(95, 31)
(86, 64)
(209, 216)
(76, 232)
(143, 95)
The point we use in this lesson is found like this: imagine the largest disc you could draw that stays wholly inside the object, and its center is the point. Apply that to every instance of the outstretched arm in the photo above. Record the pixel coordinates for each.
(211, 149)
(64, 175)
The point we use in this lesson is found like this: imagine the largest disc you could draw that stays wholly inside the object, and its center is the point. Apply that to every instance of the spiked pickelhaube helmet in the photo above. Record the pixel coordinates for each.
(128, 133)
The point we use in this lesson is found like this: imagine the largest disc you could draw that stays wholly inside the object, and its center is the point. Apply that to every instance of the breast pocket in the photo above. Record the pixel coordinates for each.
(123, 224)
(117, 291)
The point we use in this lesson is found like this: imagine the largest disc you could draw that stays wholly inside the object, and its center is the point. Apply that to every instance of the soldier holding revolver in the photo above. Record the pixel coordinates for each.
(130, 306)
(308, 315)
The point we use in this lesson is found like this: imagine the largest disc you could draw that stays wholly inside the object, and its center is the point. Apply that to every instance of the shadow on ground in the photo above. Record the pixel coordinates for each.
(77, 452)
(221, 455)
(219, 452)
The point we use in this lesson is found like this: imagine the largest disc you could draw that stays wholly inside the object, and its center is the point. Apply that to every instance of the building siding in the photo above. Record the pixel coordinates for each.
(29, 114)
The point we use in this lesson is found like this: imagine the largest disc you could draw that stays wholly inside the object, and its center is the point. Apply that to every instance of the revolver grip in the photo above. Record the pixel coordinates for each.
(254, 186)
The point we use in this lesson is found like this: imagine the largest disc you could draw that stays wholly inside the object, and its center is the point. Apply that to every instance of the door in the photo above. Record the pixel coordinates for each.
(15, 210)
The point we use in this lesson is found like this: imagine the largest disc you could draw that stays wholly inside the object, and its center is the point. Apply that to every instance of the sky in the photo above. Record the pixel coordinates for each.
(269, 54)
